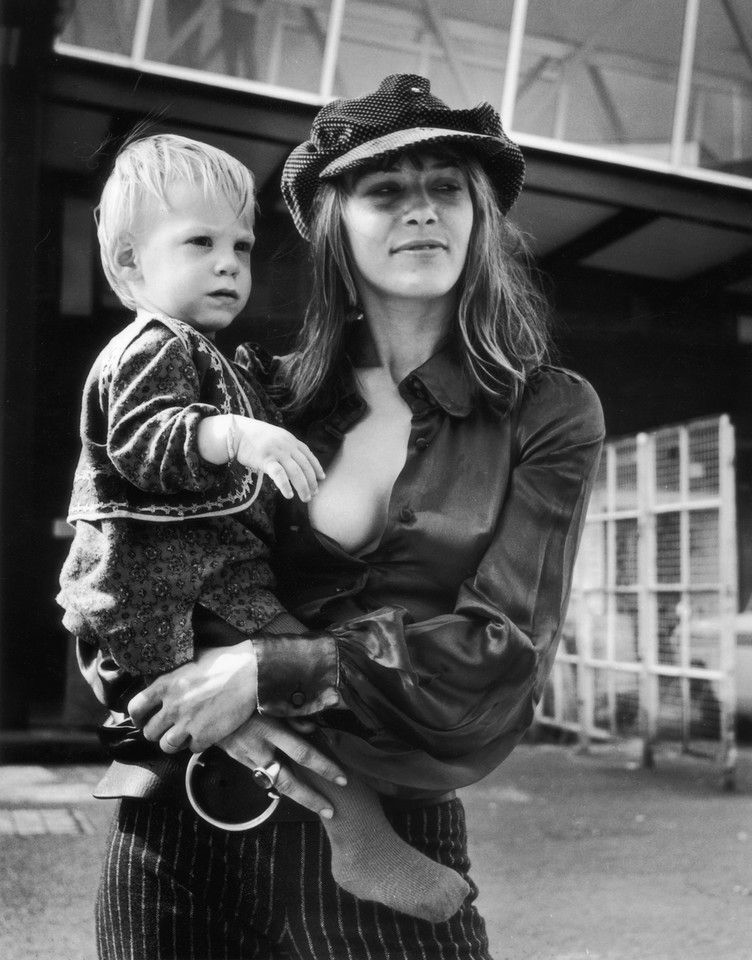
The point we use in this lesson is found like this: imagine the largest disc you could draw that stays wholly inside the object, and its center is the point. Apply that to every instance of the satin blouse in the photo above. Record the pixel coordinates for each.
(438, 641)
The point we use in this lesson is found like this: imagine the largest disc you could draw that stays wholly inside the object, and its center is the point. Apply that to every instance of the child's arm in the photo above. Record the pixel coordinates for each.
(154, 415)
(263, 447)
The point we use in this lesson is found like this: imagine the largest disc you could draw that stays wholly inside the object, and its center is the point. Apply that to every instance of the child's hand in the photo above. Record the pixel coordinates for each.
(282, 457)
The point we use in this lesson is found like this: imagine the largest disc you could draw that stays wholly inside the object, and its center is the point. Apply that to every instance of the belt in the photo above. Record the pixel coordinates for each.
(141, 771)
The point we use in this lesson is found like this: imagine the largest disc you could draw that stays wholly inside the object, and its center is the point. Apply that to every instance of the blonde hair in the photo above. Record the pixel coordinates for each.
(144, 170)
(502, 317)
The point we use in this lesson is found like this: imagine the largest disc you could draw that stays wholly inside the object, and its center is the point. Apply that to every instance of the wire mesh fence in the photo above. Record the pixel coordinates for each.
(649, 646)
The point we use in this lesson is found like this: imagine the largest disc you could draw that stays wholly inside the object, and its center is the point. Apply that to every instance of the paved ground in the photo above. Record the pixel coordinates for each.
(578, 858)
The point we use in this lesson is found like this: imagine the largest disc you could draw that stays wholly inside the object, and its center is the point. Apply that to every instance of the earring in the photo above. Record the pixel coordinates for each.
(356, 313)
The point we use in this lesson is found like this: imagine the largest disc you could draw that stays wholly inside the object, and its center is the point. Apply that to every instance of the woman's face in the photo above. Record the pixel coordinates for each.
(408, 228)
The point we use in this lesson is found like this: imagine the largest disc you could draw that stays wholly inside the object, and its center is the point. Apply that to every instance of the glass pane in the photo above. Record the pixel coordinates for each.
(626, 474)
(704, 547)
(106, 25)
(670, 720)
(719, 128)
(280, 43)
(588, 70)
(591, 567)
(705, 631)
(668, 548)
(705, 709)
(703, 466)
(667, 465)
(669, 628)
(597, 624)
(627, 706)
(461, 48)
(568, 700)
(626, 633)
(601, 700)
(626, 552)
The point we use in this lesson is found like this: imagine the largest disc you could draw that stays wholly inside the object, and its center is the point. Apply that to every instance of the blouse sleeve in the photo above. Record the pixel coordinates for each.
(439, 704)
(150, 393)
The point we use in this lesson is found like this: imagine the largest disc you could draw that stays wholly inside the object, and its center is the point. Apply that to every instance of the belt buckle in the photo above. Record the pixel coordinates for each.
(199, 762)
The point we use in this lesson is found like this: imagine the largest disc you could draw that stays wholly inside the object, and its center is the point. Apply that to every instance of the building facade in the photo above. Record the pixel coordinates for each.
(636, 121)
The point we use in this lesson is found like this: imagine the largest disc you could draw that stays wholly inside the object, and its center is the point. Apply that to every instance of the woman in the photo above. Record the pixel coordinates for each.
(433, 569)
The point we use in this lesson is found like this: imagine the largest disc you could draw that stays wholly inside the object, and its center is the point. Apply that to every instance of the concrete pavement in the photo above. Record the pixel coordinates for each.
(577, 857)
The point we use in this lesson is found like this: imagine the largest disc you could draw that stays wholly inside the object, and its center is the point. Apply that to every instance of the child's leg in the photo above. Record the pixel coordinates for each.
(370, 861)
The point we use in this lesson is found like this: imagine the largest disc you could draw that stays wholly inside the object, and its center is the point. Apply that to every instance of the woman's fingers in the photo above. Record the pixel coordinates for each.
(261, 739)
(262, 736)
(173, 742)
(301, 725)
(202, 701)
(290, 785)
(303, 753)
(144, 705)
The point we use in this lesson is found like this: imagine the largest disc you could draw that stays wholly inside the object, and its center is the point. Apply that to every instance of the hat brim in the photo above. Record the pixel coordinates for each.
(400, 140)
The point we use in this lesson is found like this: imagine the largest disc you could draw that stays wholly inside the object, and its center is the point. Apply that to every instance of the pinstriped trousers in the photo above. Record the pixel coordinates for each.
(175, 888)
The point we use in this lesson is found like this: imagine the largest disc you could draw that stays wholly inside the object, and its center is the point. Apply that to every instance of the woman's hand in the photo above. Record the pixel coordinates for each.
(200, 703)
(260, 740)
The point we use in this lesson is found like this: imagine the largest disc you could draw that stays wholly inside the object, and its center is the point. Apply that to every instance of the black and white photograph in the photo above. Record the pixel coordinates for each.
(376, 480)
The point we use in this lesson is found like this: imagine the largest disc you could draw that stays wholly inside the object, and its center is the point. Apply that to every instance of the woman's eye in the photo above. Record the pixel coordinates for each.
(448, 186)
(383, 188)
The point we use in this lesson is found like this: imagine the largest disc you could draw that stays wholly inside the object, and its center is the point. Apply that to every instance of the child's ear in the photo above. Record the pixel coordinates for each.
(127, 261)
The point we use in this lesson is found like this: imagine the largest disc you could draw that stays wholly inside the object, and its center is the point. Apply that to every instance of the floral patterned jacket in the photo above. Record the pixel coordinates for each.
(158, 529)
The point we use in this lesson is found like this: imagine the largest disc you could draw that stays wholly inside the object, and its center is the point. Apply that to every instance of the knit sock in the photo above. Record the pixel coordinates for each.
(371, 862)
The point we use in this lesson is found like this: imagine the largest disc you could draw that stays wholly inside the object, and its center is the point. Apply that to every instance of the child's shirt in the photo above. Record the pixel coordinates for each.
(159, 529)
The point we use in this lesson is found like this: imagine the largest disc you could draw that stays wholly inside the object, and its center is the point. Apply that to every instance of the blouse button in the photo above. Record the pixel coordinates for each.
(406, 515)
(298, 698)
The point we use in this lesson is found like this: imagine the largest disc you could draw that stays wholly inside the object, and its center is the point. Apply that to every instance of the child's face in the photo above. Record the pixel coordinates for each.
(193, 260)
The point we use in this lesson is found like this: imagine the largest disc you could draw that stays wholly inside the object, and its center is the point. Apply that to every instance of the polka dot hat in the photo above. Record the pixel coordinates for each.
(402, 113)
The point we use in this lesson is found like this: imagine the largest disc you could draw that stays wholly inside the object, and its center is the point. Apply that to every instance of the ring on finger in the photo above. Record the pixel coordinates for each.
(266, 777)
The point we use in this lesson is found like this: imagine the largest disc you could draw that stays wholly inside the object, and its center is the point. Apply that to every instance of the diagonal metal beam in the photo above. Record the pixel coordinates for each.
(436, 23)
(607, 102)
(576, 57)
(197, 21)
(737, 25)
(602, 235)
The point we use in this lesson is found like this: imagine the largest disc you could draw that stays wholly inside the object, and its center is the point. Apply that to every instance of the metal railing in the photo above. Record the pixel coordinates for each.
(649, 647)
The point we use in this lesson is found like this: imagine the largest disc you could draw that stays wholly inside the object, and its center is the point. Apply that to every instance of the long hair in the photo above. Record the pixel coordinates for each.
(501, 323)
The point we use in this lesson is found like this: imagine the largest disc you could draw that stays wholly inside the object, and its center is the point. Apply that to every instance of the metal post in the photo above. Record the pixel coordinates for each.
(514, 56)
(646, 576)
(141, 33)
(729, 599)
(331, 50)
(684, 82)
(685, 624)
